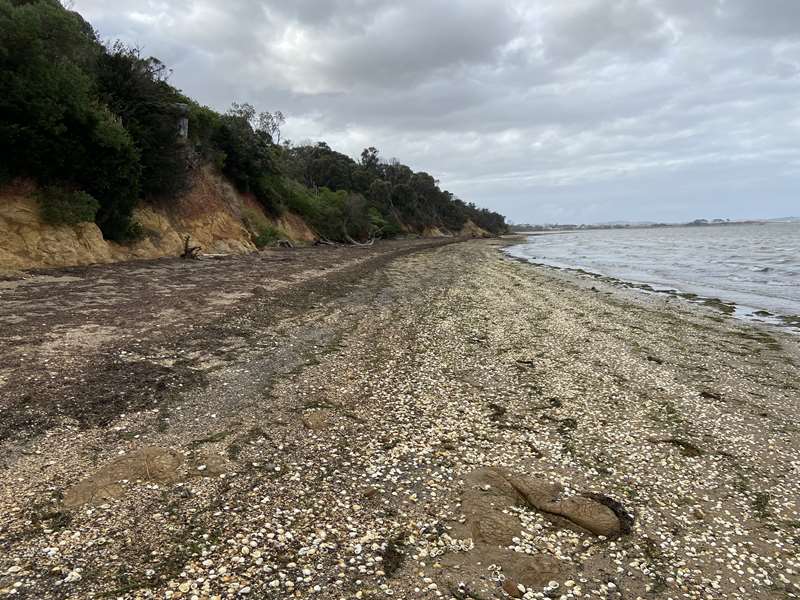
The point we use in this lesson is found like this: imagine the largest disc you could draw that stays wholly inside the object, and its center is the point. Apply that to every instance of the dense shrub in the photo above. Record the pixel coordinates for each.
(52, 126)
(267, 236)
(203, 124)
(112, 174)
(248, 160)
(65, 207)
(401, 198)
(300, 200)
(135, 89)
(327, 217)
(262, 232)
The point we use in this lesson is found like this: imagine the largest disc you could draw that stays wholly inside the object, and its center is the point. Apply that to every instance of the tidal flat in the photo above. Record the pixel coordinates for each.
(417, 419)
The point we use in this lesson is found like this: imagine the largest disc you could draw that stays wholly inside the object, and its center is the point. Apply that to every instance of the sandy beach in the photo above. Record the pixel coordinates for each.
(418, 419)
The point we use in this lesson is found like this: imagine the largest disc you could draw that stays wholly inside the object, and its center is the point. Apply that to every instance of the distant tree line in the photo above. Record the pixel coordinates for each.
(96, 126)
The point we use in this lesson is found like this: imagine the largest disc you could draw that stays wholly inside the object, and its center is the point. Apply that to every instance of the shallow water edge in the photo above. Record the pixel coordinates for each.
(790, 323)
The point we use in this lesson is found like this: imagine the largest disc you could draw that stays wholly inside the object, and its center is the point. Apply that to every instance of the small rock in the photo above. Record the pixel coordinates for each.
(511, 588)
(73, 576)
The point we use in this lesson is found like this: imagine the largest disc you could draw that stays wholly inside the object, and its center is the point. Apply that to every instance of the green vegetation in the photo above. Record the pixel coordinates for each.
(97, 128)
(63, 207)
(267, 236)
(54, 128)
(262, 232)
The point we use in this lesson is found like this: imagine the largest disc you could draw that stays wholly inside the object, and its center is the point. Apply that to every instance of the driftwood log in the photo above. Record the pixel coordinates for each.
(362, 244)
(190, 252)
(321, 241)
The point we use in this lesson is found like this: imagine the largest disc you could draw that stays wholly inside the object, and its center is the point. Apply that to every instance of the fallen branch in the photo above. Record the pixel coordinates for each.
(362, 244)
(190, 252)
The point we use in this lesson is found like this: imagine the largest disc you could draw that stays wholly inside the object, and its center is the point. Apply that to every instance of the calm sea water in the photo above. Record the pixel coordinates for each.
(757, 267)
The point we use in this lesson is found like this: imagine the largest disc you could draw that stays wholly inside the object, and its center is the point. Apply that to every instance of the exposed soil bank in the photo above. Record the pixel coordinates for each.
(211, 212)
(430, 421)
(216, 217)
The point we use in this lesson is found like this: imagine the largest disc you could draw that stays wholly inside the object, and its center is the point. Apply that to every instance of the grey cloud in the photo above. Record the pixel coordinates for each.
(631, 28)
(405, 44)
(747, 18)
(551, 110)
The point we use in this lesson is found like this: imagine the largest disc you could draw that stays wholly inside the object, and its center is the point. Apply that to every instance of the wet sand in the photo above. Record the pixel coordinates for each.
(415, 420)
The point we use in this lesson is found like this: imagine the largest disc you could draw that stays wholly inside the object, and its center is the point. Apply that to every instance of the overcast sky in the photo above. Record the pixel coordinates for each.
(548, 111)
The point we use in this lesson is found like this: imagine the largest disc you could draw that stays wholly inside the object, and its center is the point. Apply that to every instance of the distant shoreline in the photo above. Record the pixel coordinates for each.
(600, 227)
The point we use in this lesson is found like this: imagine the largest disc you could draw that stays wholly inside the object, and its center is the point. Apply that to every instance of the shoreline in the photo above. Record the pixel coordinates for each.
(748, 314)
(753, 315)
(357, 427)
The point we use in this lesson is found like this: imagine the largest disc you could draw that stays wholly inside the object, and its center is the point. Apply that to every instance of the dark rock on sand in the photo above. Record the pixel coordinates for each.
(489, 496)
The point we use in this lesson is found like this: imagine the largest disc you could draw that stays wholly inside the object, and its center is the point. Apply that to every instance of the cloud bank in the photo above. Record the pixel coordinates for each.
(548, 111)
